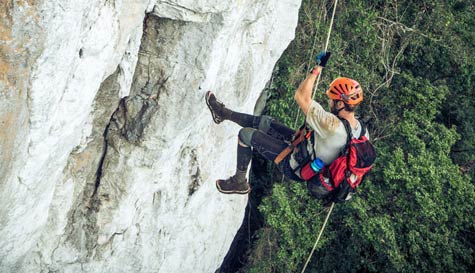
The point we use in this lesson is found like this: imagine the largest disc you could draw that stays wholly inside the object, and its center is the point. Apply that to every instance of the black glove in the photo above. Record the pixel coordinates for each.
(322, 58)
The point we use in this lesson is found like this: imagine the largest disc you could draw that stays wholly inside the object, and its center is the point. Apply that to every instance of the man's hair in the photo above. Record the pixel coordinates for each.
(348, 107)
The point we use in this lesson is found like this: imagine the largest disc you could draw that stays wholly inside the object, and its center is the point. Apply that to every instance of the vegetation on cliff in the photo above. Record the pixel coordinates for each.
(414, 213)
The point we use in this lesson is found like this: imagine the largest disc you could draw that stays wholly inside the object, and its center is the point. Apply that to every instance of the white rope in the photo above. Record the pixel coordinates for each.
(326, 48)
(313, 96)
(319, 235)
(326, 44)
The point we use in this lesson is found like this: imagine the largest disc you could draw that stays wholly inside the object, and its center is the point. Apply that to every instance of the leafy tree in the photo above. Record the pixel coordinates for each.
(414, 213)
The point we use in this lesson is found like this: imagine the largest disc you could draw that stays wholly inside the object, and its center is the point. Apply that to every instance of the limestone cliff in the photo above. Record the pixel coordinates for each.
(108, 154)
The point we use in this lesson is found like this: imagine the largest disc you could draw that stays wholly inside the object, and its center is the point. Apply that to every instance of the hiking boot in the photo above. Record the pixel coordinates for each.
(217, 108)
(232, 185)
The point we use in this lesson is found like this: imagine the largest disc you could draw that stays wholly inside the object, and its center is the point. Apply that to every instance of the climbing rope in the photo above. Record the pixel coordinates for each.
(295, 125)
(326, 44)
(313, 96)
(318, 238)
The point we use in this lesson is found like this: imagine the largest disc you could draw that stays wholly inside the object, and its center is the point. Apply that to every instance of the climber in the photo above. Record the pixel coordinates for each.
(269, 137)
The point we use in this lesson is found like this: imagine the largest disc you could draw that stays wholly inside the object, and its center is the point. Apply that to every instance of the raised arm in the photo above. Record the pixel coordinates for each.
(303, 95)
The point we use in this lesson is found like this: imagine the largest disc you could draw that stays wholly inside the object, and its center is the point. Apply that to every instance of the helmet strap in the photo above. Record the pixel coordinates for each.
(337, 111)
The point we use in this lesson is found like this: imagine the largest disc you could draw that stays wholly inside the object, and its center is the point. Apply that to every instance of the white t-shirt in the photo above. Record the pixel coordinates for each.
(329, 133)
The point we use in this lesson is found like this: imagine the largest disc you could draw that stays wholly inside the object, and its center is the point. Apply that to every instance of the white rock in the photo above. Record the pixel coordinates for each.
(156, 208)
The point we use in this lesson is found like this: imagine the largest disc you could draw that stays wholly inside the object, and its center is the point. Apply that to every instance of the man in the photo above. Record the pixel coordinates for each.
(269, 137)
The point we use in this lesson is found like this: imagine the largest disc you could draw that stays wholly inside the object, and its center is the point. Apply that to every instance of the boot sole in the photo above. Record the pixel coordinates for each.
(232, 191)
(216, 119)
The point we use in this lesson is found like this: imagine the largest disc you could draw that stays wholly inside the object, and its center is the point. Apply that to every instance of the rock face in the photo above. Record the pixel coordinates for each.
(108, 154)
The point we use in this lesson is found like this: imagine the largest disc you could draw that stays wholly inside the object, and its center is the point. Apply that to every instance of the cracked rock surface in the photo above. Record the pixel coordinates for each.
(108, 153)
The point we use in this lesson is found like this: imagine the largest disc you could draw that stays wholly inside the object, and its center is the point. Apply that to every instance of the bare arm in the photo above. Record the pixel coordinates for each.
(303, 95)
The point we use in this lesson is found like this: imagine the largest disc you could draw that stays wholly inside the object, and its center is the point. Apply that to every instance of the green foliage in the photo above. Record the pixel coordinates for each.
(414, 213)
(294, 235)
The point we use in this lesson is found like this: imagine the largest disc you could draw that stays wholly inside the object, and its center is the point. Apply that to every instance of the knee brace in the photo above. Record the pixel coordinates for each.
(245, 136)
(265, 123)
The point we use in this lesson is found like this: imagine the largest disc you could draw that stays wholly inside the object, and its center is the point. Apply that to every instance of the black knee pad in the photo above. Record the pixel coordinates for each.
(265, 123)
(245, 136)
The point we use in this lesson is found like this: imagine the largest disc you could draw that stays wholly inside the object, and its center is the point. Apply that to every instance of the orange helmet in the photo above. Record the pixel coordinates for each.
(345, 89)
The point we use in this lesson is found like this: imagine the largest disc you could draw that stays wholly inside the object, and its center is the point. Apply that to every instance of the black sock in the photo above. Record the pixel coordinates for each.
(244, 156)
(245, 120)
(240, 176)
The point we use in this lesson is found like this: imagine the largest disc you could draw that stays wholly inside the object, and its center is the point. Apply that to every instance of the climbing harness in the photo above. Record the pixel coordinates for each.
(299, 136)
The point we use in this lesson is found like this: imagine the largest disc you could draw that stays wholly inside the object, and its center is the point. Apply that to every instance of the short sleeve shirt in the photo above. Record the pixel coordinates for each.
(329, 132)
